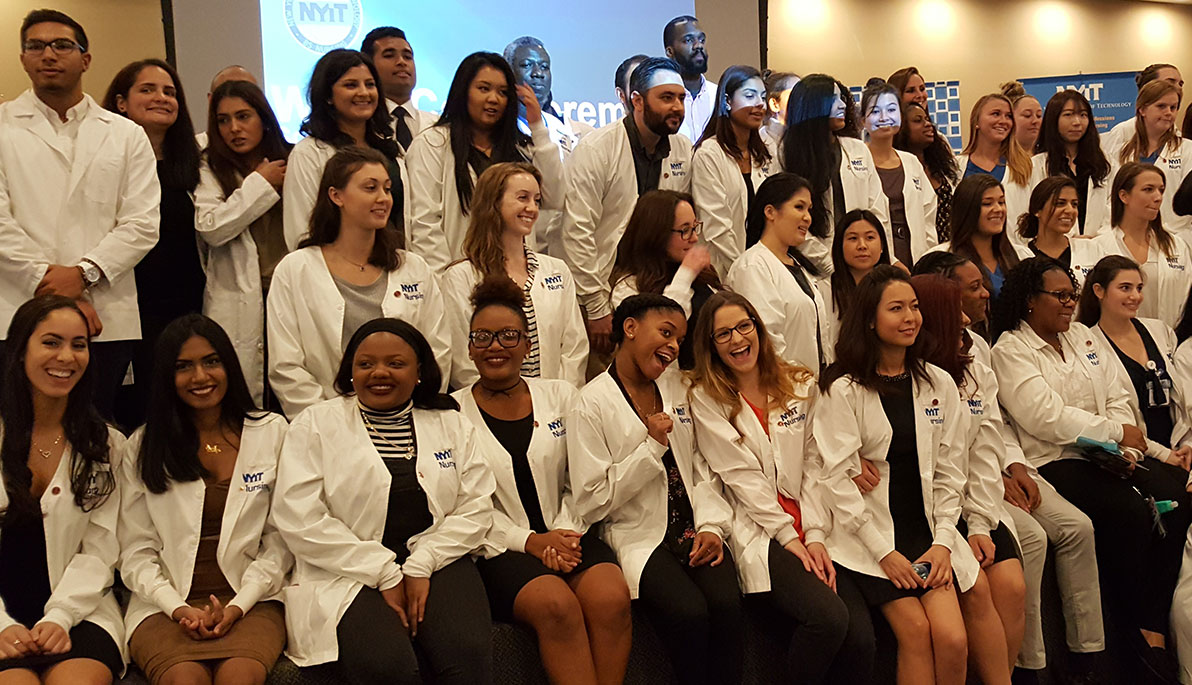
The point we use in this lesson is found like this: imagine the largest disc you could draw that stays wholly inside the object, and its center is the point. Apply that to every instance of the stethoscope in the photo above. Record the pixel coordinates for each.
(1158, 387)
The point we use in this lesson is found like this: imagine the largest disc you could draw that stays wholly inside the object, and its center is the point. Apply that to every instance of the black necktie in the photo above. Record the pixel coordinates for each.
(404, 136)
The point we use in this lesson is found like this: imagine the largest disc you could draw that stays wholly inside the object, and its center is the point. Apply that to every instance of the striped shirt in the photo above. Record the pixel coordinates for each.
(532, 364)
(392, 431)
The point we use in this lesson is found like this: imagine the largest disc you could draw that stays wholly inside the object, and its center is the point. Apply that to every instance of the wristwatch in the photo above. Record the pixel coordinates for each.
(91, 273)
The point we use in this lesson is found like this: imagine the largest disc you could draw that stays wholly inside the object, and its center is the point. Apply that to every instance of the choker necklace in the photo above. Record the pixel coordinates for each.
(895, 378)
(500, 391)
(45, 454)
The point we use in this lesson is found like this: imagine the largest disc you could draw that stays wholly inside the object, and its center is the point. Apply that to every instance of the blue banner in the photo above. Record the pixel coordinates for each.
(1111, 95)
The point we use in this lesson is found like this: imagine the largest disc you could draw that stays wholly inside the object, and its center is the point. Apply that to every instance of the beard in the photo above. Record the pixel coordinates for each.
(659, 124)
(690, 65)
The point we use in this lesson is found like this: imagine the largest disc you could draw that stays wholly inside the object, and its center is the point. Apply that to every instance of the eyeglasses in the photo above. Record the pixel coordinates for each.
(1064, 296)
(507, 337)
(687, 231)
(60, 46)
(726, 334)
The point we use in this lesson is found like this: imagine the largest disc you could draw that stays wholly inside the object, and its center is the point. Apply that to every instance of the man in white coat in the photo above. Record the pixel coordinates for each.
(393, 57)
(685, 42)
(606, 174)
(79, 198)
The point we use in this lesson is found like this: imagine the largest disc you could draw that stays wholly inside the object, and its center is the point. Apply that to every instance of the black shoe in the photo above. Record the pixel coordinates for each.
(1158, 664)
(1024, 676)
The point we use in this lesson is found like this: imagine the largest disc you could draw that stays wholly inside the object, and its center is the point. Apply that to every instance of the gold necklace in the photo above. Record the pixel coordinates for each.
(358, 266)
(45, 454)
(212, 449)
(638, 409)
(403, 452)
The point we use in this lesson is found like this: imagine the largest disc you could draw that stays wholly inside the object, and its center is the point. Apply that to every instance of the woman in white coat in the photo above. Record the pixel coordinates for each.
(858, 245)
(348, 271)
(660, 253)
(59, 621)
(777, 278)
(636, 471)
(838, 168)
(891, 408)
(382, 496)
(1047, 226)
(1071, 147)
(993, 149)
(753, 415)
(203, 562)
(729, 162)
(1057, 387)
(918, 136)
(478, 129)
(504, 211)
(905, 183)
(1155, 140)
(238, 215)
(556, 574)
(979, 230)
(345, 110)
(1139, 231)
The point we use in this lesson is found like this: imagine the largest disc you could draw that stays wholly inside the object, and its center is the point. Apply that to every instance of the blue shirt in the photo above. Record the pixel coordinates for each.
(998, 172)
(996, 279)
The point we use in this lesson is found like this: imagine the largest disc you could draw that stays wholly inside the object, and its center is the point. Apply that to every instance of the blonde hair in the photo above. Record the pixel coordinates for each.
(482, 243)
(1018, 160)
(1138, 145)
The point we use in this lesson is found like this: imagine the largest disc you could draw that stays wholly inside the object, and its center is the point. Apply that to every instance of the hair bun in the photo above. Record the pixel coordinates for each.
(1013, 89)
(875, 82)
(498, 289)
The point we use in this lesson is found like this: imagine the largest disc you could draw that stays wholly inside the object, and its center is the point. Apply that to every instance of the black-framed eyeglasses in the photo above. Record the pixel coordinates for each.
(1064, 296)
(507, 337)
(60, 46)
(687, 231)
(726, 334)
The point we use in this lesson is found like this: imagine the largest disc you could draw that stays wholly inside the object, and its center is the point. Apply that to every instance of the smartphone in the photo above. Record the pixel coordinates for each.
(922, 569)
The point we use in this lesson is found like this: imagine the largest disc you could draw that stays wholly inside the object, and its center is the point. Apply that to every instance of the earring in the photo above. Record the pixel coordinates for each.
(1030, 310)
(631, 337)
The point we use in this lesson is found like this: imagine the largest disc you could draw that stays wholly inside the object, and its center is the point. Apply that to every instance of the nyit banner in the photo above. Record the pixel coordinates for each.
(1111, 95)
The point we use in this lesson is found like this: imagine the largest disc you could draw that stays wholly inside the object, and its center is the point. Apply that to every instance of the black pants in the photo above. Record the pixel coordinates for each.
(1138, 567)
(455, 637)
(833, 638)
(108, 366)
(698, 615)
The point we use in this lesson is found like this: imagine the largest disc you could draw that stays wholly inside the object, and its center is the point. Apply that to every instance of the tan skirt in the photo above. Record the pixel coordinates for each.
(159, 642)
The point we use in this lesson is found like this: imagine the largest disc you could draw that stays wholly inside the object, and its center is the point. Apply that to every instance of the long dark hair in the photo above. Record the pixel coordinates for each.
(858, 349)
(938, 158)
(323, 121)
(841, 279)
(721, 122)
(229, 167)
(325, 217)
(1046, 191)
(641, 253)
(506, 137)
(1125, 179)
(426, 393)
(966, 217)
(1088, 311)
(179, 151)
(1090, 158)
(943, 329)
(1022, 283)
(170, 443)
(775, 191)
(82, 427)
(808, 143)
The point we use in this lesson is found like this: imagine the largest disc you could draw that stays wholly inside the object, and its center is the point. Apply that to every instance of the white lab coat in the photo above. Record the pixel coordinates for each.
(617, 475)
(565, 133)
(330, 505)
(863, 530)
(547, 454)
(601, 195)
(791, 317)
(1164, 339)
(1167, 278)
(723, 200)
(1180, 369)
(985, 439)
(1171, 163)
(755, 467)
(1096, 217)
(159, 533)
(81, 551)
(233, 296)
(919, 203)
(1018, 200)
(562, 338)
(437, 223)
(680, 289)
(862, 190)
(104, 206)
(306, 318)
(1031, 386)
(831, 316)
(1181, 612)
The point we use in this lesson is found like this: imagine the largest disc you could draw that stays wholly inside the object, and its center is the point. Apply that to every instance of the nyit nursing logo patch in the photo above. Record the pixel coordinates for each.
(1174, 264)
(410, 291)
(1093, 358)
(255, 481)
(933, 415)
(683, 414)
(976, 407)
(323, 25)
(791, 416)
(676, 169)
(554, 282)
(557, 427)
(444, 460)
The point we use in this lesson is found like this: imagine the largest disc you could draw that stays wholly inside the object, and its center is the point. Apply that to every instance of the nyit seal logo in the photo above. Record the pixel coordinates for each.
(323, 25)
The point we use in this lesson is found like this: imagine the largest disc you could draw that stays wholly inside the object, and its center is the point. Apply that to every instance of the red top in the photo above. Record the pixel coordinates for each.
(788, 505)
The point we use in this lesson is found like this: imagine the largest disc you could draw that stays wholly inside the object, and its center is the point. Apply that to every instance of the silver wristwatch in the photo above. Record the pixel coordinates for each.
(91, 273)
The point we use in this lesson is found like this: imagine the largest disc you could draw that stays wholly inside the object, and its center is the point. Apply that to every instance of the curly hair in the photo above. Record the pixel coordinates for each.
(1022, 283)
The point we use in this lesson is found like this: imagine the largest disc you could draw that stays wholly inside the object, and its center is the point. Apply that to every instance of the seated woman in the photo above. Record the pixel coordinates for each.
(858, 245)
(660, 254)
(898, 542)
(349, 270)
(557, 576)
(636, 471)
(59, 621)
(203, 562)
(382, 497)
(1049, 218)
(1054, 385)
(754, 412)
(504, 211)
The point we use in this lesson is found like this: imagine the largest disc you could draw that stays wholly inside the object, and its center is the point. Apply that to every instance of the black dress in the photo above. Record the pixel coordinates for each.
(1152, 387)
